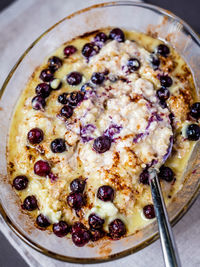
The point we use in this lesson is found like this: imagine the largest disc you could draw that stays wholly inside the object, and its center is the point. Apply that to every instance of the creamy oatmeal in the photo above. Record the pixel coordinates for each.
(93, 118)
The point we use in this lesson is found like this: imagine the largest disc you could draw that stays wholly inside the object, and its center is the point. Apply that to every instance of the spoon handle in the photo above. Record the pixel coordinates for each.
(170, 252)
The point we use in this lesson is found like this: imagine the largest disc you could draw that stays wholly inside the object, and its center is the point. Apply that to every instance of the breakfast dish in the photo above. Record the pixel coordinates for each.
(100, 111)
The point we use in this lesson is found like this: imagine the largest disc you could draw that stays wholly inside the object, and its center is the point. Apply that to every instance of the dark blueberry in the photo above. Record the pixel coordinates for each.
(97, 234)
(69, 50)
(38, 103)
(117, 229)
(46, 75)
(163, 94)
(117, 34)
(97, 78)
(155, 61)
(74, 78)
(95, 222)
(163, 104)
(63, 98)
(89, 50)
(77, 226)
(81, 237)
(105, 193)
(55, 63)
(165, 81)
(76, 200)
(166, 173)
(163, 50)
(42, 221)
(86, 87)
(144, 177)
(102, 144)
(195, 110)
(35, 136)
(30, 203)
(133, 64)
(61, 229)
(66, 111)
(42, 168)
(77, 185)
(149, 212)
(58, 145)
(43, 89)
(75, 98)
(55, 84)
(100, 37)
(20, 182)
(193, 132)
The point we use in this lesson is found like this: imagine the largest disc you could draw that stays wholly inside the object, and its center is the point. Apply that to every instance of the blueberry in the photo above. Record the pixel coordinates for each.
(165, 81)
(155, 61)
(42, 221)
(63, 98)
(30, 203)
(75, 98)
(102, 144)
(100, 38)
(149, 212)
(38, 103)
(74, 78)
(163, 94)
(195, 110)
(76, 200)
(20, 182)
(144, 177)
(55, 63)
(163, 50)
(69, 50)
(117, 34)
(86, 87)
(105, 193)
(95, 222)
(42, 168)
(97, 234)
(133, 64)
(43, 90)
(58, 145)
(77, 226)
(35, 136)
(77, 185)
(193, 132)
(90, 50)
(46, 75)
(66, 112)
(166, 173)
(97, 78)
(81, 237)
(117, 229)
(60, 229)
(163, 104)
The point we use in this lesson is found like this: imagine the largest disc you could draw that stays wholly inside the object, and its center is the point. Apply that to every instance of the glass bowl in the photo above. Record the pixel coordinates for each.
(134, 16)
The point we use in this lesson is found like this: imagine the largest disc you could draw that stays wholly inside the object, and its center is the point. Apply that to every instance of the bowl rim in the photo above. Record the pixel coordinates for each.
(155, 235)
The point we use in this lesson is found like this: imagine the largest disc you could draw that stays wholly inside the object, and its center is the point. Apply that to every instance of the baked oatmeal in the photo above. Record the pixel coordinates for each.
(100, 111)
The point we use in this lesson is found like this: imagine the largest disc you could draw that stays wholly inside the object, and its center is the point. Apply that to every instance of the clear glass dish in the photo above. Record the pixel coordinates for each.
(134, 16)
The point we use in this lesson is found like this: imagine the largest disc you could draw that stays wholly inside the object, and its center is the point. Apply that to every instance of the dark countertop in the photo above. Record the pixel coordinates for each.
(187, 10)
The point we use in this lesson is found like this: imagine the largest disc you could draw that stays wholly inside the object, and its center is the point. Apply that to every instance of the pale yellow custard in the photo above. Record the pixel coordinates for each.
(118, 127)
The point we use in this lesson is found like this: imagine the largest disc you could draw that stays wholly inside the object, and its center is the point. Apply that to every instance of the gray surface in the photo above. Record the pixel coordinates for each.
(189, 11)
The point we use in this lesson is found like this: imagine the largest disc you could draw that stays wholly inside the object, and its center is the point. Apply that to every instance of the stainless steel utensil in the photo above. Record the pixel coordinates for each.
(170, 252)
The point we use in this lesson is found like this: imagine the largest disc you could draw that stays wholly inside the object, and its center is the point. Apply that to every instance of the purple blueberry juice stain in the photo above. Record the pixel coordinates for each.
(137, 137)
(112, 130)
(86, 131)
(169, 149)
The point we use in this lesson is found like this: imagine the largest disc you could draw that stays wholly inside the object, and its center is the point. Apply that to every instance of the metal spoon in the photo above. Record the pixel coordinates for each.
(170, 252)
